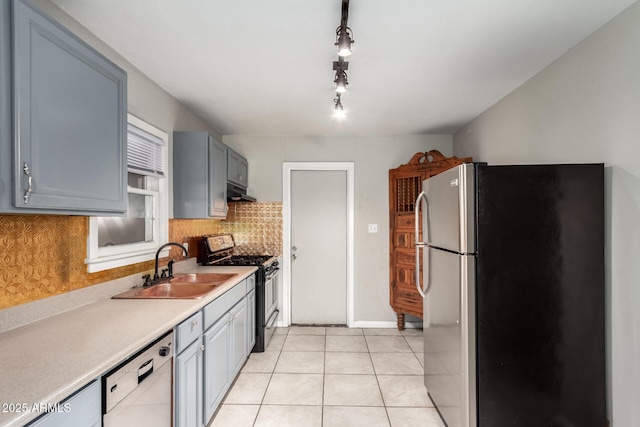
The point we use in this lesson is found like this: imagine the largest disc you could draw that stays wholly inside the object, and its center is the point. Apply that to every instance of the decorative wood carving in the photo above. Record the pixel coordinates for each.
(405, 183)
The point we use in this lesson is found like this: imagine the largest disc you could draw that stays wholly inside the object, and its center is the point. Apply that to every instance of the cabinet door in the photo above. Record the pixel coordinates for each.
(238, 335)
(243, 173)
(233, 166)
(237, 168)
(188, 387)
(217, 341)
(6, 142)
(251, 322)
(70, 115)
(199, 176)
(217, 178)
(81, 409)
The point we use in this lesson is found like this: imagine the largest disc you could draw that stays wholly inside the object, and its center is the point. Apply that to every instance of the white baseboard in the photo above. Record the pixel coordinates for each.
(383, 324)
(370, 324)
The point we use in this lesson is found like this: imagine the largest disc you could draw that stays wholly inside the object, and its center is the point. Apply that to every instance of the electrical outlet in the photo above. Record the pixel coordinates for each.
(186, 246)
(373, 228)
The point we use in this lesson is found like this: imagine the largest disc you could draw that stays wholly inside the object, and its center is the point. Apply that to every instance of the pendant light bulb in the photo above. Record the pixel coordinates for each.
(338, 108)
(341, 81)
(344, 41)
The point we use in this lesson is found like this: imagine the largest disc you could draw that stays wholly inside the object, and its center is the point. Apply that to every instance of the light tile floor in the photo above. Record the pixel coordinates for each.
(332, 377)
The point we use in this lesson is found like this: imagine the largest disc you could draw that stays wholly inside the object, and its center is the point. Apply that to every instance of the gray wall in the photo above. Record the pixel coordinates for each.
(585, 107)
(146, 100)
(373, 157)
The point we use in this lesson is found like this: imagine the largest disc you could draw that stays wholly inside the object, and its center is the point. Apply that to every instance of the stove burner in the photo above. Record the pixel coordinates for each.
(244, 260)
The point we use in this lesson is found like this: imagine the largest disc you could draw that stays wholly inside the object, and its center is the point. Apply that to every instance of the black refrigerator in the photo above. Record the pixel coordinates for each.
(512, 273)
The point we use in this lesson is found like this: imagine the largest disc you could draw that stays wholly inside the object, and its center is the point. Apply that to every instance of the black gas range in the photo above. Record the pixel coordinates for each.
(219, 250)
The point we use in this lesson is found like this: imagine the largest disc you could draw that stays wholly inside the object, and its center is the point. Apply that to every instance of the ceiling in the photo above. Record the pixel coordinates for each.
(255, 67)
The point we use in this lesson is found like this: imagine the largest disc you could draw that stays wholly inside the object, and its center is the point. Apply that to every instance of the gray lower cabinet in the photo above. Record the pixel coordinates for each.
(237, 169)
(206, 369)
(84, 408)
(199, 176)
(188, 386)
(251, 321)
(238, 336)
(216, 364)
(63, 137)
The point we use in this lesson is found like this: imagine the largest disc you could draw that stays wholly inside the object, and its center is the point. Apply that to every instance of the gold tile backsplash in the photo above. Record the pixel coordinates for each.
(256, 228)
(43, 255)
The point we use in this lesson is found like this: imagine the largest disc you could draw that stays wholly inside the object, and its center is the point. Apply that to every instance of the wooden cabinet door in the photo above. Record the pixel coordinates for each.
(188, 387)
(70, 106)
(405, 184)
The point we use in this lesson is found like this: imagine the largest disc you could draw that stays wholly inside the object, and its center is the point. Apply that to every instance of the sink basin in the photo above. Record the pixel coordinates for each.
(202, 278)
(182, 286)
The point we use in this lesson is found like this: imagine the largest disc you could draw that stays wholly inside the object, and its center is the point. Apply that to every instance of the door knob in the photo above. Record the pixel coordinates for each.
(294, 248)
(294, 256)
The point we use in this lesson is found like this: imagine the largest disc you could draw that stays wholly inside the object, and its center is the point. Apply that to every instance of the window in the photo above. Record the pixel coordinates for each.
(118, 241)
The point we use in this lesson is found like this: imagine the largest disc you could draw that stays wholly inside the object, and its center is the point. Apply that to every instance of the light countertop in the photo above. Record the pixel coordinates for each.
(47, 360)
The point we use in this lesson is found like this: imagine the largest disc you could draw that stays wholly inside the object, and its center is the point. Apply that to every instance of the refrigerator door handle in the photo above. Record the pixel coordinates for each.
(422, 197)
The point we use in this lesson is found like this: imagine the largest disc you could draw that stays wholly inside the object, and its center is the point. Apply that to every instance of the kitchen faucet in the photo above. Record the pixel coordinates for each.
(156, 277)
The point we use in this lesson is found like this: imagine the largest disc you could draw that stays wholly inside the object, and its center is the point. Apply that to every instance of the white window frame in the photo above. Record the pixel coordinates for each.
(100, 259)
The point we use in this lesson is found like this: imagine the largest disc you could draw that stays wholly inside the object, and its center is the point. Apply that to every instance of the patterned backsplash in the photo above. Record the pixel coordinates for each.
(256, 228)
(43, 255)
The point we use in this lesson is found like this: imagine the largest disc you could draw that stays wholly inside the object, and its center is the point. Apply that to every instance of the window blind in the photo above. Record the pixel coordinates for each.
(145, 152)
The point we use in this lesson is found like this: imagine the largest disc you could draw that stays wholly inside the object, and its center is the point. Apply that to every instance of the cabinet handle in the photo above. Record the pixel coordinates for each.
(202, 347)
(27, 193)
(194, 322)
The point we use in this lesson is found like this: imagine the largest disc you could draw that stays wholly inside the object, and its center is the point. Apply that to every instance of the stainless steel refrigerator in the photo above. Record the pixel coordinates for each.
(511, 260)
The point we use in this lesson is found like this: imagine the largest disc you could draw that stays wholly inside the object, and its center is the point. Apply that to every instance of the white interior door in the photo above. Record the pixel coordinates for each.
(319, 247)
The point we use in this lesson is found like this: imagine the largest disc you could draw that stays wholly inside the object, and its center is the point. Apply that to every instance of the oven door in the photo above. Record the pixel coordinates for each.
(270, 304)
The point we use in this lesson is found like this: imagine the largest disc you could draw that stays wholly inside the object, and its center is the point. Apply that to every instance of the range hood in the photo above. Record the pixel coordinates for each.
(235, 193)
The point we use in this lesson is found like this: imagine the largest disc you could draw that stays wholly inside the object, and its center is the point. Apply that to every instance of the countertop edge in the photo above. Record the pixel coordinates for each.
(58, 393)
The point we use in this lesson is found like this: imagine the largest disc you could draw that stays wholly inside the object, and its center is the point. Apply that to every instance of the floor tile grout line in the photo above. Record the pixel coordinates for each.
(325, 352)
(324, 378)
(269, 382)
(384, 405)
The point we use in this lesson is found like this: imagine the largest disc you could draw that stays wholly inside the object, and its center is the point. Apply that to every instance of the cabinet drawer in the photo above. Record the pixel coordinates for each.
(405, 257)
(404, 220)
(251, 283)
(188, 331)
(222, 304)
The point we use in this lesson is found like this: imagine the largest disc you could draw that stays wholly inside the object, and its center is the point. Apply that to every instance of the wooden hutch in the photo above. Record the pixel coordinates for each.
(405, 183)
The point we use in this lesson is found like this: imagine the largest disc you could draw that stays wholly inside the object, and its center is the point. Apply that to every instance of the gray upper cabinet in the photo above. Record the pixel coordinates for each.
(237, 169)
(199, 176)
(5, 104)
(66, 152)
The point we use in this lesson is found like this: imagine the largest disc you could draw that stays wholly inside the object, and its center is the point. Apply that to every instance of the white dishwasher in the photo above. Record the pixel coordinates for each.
(139, 392)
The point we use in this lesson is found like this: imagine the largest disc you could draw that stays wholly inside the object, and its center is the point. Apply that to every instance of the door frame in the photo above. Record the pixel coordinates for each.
(287, 169)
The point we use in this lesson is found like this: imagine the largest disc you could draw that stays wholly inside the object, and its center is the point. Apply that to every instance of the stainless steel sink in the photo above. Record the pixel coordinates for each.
(182, 286)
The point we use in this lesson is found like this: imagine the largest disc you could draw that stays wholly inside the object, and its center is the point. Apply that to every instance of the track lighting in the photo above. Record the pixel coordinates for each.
(344, 39)
(338, 108)
(341, 76)
(341, 82)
